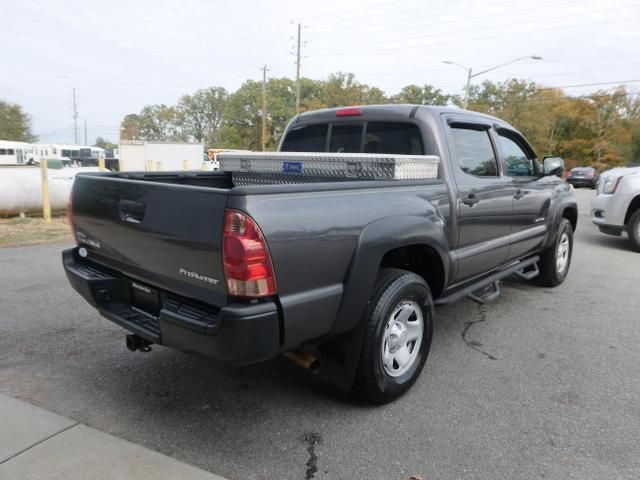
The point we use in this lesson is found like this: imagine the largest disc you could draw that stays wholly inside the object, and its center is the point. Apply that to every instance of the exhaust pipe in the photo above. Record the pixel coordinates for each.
(304, 360)
(136, 342)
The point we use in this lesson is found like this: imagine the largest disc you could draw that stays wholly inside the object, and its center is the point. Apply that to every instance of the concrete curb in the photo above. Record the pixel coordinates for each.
(37, 444)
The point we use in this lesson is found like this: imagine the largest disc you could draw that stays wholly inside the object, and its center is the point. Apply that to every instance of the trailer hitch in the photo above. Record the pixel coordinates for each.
(136, 342)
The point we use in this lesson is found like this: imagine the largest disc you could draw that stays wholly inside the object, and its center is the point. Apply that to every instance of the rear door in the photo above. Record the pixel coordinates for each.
(484, 197)
(164, 235)
(532, 197)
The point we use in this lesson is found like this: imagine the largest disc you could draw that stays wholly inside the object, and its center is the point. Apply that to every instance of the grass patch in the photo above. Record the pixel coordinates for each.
(16, 232)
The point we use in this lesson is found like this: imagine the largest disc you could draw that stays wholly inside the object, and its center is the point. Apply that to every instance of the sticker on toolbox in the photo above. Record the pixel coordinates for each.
(292, 167)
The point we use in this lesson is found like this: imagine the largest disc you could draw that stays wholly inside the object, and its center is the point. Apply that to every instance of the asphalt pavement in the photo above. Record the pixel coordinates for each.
(543, 383)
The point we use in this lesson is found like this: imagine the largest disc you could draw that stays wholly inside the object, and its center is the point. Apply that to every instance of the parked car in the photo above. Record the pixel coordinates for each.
(616, 207)
(341, 275)
(583, 177)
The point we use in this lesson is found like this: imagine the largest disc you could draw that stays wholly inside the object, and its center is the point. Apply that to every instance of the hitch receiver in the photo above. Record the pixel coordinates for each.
(136, 342)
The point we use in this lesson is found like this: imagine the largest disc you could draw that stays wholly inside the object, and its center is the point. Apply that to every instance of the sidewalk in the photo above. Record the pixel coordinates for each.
(37, 444)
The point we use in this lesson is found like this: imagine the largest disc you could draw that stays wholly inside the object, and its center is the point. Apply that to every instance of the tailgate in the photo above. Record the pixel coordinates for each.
(165, 235)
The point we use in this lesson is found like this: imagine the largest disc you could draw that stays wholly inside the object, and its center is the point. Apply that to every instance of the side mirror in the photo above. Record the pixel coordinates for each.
(553, 166)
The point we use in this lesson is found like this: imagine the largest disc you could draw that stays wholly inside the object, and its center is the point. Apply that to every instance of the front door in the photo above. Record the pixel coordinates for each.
(485, 199)
(532, 196)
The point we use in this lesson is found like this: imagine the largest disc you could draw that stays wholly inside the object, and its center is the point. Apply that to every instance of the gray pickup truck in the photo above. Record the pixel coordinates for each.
(341, 276)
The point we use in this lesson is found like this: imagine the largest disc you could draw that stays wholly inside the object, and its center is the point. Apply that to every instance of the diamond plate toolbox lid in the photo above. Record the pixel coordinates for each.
(308, 166)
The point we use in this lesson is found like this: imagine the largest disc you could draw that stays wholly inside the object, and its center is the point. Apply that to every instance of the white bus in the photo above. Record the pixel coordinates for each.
(16, 153)
(97, 153)
(67, 154)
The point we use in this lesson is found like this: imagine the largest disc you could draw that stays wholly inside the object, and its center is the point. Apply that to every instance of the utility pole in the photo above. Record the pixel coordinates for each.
(467, 88)
(298, 71)
(75, 118)
(85, 132)
(264, 107)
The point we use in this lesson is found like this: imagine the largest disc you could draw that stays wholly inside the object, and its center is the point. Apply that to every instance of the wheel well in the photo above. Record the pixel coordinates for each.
(571, 214)
(633, 206)
(420, 259)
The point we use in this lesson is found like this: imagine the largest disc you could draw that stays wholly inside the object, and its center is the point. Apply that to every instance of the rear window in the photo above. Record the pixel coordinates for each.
(379, 137)
(396, 138)
(346, 138)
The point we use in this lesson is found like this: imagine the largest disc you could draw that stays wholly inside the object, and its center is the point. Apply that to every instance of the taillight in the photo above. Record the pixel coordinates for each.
(247, 264)
(70, 215)
(349, 112)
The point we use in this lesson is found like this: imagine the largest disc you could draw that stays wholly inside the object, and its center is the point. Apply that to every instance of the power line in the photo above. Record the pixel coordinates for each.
(405, 23)
(342, 51)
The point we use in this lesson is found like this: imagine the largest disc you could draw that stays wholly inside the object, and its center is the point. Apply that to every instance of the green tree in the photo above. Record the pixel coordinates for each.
(609, 130)
(242, 119)
(161, 123)
(422, 95)
(202, 114)
(342, 89)
(104, 143)
(15, 124)
(154, 122)
(602, 129)
(130, 127)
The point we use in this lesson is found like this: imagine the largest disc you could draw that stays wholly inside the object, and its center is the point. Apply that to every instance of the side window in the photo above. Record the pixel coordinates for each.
(10, 151)
(516, 160)
(474, 152)
(3, 151)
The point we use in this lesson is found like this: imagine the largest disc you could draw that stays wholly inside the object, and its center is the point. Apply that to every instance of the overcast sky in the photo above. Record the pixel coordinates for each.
(121, 55)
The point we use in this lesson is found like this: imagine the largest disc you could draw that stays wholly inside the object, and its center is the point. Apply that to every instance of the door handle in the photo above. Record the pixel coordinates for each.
(520, 194)
(131, 211)
(470, 200)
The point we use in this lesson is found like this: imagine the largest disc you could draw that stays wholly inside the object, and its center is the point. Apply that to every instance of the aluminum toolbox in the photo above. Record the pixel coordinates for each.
(260, 168)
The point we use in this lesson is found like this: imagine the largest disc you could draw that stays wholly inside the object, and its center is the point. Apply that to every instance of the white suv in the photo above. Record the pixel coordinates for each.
(616, 207)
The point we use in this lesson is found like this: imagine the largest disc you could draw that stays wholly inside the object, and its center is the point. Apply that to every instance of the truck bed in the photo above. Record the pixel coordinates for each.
(164, 230)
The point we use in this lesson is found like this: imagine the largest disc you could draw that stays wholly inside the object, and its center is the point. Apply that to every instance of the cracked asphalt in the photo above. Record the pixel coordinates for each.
(543, 383)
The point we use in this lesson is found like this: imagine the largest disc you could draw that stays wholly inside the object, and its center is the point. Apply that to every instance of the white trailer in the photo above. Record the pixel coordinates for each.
(139, 155)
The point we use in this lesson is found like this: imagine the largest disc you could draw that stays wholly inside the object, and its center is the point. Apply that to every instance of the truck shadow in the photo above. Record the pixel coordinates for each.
(601, 240)
(184, 405)
(166, 380)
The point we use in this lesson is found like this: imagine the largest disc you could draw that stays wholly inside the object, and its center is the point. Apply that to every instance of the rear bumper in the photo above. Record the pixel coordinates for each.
(237, 333)
(582, 182)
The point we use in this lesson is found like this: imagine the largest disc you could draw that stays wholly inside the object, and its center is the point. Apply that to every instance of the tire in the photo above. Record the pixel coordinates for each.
(553, 271)
(633, 229)
(395, 348)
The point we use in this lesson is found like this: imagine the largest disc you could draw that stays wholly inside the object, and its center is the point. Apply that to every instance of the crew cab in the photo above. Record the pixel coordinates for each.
(341, 276)
(616, 206)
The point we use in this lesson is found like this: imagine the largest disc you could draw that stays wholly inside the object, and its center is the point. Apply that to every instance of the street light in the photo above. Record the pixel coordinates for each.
(470, 74)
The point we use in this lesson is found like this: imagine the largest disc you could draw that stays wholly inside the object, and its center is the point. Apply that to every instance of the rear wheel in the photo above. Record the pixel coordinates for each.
(555, 261)
(633, 229)
(397, 338)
